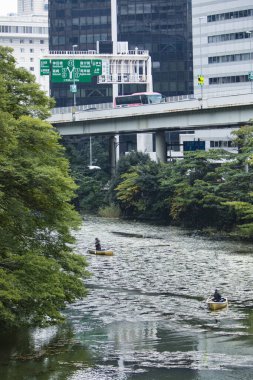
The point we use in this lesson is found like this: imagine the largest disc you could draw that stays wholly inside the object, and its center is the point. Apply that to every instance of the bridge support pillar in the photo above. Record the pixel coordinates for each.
(161, 149)
(145, 142)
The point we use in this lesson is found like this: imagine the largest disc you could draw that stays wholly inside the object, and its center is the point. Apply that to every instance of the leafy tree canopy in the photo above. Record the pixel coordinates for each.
(39, 272)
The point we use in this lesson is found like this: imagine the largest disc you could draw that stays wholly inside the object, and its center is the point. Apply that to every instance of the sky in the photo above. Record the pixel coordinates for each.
(8, 6)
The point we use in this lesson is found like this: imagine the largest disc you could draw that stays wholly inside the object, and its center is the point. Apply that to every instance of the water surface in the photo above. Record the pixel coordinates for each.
(145, 316)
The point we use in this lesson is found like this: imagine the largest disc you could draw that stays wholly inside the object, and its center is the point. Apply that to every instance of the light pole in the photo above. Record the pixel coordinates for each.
(200, 53)
(74, 82)
(250, 57)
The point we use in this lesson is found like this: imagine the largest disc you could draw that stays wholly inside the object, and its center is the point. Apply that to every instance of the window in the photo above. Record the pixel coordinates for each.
(220, 144)
(31, 50)
(42, 42)
(228, 37)
(231, 79)
(230, 15)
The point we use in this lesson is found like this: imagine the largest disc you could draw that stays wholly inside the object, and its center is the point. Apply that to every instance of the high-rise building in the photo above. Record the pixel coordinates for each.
(29, 7)
(222, 47)
(27, 34)
(163, 27)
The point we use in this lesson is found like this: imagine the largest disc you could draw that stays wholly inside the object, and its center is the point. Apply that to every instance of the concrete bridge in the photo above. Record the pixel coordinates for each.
(191, 114)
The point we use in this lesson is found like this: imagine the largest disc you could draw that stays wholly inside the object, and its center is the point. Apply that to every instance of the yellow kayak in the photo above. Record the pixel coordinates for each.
(103, 252)
(215, 305)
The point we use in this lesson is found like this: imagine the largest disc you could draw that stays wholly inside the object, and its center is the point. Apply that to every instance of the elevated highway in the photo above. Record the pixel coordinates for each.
(191, 114)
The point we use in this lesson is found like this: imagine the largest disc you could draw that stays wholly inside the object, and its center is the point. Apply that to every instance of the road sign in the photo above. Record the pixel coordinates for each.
(201, 80)
(73, 88)
(250, 76)
(44, 66)
(192, 146)
(78, 70)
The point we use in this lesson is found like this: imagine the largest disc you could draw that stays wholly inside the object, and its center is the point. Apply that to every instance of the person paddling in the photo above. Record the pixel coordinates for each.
(97, 244)
(217, 297)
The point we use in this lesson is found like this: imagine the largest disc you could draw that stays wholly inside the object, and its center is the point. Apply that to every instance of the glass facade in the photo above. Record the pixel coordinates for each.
(82, 23)
(164, 27)
(161, 26)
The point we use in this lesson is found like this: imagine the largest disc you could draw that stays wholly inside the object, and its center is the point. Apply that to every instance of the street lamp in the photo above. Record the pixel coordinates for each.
(91, 166)
(74, 89)
(249, 32)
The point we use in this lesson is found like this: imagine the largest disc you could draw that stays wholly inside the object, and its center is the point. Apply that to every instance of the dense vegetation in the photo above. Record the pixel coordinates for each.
(39, 273)
(205, 190)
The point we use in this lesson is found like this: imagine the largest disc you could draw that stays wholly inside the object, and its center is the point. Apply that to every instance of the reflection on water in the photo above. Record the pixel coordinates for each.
(145, 316)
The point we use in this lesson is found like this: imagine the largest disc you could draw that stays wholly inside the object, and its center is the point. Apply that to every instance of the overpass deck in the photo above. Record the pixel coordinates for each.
(215, 112)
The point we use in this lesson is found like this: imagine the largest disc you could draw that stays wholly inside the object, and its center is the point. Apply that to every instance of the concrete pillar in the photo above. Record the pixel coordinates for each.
(161, 149)
(145, 142)
(149, 86)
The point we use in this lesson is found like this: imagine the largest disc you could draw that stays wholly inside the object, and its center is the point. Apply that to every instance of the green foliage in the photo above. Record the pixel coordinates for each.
(91, 183)
(111, 211)
(39, 272)
(124, 164)
(20, 94)
(91, 194)
(205, 189)
(244, 212)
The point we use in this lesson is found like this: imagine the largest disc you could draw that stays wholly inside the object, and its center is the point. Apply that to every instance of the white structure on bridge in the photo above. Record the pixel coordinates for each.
(121, 67)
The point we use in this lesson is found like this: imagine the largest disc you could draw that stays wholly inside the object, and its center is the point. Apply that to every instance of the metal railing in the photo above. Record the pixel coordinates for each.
(94, 52)
(85, 107)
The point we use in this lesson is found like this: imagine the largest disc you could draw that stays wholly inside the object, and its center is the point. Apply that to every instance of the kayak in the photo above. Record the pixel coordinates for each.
(216, 305)
(103, 252)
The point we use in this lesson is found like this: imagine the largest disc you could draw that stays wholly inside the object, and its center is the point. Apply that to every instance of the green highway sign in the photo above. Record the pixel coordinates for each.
(70, 70)
(44, 66)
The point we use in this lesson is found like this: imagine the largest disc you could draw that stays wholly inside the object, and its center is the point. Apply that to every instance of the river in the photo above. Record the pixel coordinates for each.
(145, 317)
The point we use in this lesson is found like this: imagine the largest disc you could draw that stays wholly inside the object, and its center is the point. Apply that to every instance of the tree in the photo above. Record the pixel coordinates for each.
(39, 272)
(124, 164)
(91, 183)
(240, 179)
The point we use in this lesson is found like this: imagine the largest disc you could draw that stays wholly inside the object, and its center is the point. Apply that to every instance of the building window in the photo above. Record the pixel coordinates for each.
(31, 68)
(22, 41)
(22, 50)
(30, 41)
(31, 59)
(228, 37)
(230, 58)
(231, 79)
(230, 15)
(42, 42)
(31, 50)
(220, 144)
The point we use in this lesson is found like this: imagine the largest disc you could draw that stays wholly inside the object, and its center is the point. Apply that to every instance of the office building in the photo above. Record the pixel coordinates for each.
(33, 7)
(222, 47)
(27, 34)
(163, 27)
